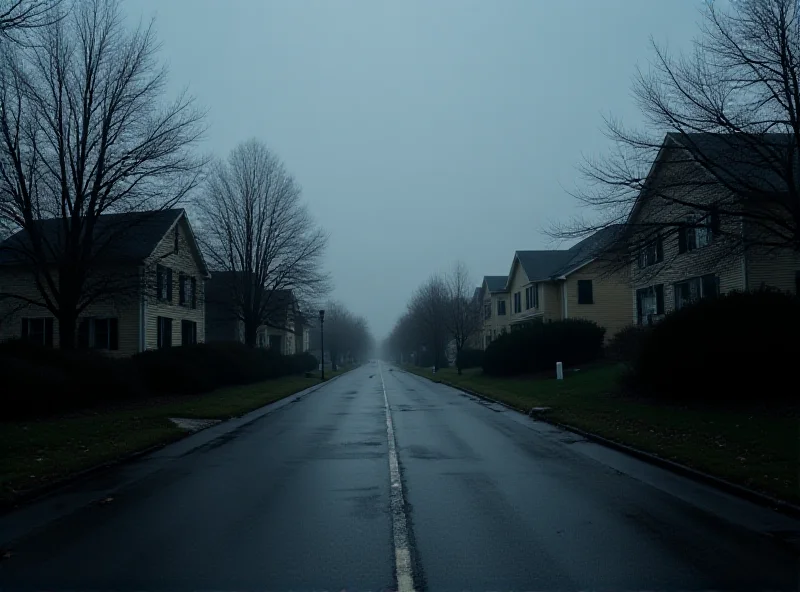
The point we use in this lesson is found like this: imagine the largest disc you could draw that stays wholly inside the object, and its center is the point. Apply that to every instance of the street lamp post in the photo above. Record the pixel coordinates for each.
(322, 341)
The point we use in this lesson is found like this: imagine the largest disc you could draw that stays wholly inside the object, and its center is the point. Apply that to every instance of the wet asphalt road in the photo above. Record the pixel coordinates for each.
(299, 500)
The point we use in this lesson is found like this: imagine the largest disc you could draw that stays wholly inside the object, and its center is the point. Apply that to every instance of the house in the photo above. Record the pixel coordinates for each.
(579, 282)
(691, 254)
(286, 330)
(146, 285)
(495, 307)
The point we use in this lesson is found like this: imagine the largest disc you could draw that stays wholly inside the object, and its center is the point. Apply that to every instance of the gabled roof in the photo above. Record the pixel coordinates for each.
(751, 162)
(746, 163)
(551, 264)
(119, 238)
(495, 283)
(541, 265)
(592, 247)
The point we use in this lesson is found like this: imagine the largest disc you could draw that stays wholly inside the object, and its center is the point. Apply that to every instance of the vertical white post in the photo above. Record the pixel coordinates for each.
(559, 371)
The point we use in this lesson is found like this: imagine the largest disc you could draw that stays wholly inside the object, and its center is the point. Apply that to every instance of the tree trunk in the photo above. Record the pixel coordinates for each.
(250, 333)
(458, 360)
(67, 329)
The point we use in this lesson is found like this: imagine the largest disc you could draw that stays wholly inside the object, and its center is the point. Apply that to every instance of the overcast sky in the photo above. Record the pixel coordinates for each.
(423, 131)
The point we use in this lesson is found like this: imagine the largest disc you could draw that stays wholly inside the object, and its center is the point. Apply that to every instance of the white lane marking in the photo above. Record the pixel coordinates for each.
(402, 549)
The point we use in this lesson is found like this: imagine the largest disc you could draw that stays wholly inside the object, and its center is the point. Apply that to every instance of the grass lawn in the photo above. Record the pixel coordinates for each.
(39, 452)
(756, 447)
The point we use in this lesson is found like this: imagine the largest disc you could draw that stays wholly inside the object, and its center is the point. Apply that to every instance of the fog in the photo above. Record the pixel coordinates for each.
(421, 132)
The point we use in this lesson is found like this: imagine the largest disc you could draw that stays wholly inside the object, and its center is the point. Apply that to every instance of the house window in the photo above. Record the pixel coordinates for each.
(652, 252)
(99, 333)
(517, 302)
(38, 330)
(532, 296)
(164, 283)
(188, 332)
(275, 342)
(186, 291)
(694, 289)
(696, 234)
(649, 303)
(501, 307)
(164, 332)
(585, 295)
(487, 311)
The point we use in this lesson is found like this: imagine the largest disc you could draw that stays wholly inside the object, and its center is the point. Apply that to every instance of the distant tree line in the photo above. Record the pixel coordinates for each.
(442, 311)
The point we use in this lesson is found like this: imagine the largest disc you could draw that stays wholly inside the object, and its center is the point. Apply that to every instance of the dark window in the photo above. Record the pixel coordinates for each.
(585, 295)
(532, 296)
(38, 330)
(518, 302)
(487, 311)
(188, 332)
(164, 283)
(649, 303)
(652, 252)
(695, 235)
(99, 333)
(181, 289)
(275, 342)
(710, 285)
(186, 289)
(501, 307)
(713, 222)
(694, 289)
(164, 332)
(687, 292)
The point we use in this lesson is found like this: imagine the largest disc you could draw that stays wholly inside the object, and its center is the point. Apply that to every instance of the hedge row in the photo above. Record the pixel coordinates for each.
(737, 347)
(538, 346)
(40, 381)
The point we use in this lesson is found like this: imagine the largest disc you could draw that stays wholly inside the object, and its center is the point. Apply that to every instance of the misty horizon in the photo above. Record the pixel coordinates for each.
(421, 134)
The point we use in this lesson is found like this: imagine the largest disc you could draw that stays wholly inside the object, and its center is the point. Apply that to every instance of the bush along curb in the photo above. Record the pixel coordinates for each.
(746, 493)
(32, 495)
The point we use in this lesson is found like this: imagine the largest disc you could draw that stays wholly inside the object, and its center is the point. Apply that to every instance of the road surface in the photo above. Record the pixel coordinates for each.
(309, 497)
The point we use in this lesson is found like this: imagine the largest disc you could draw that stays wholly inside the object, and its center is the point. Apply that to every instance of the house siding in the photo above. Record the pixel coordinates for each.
(125, 308)
(184, 261)
(494, 324)
(550, 300)
(611, 293)
(777, 269)
(716, 258)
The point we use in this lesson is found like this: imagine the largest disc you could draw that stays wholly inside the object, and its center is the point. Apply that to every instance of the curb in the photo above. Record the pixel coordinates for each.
(738, 490)
(31, 495)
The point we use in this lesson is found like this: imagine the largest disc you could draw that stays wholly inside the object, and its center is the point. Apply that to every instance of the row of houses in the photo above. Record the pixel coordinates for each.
(153, 290)
(617, 279)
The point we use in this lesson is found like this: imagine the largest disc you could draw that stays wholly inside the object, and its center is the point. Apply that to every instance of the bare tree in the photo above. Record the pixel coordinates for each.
(428, 312)
(462, 315)
(84, 132)
(254, 225)
(20, 16)
(347, 336)
(726, 119)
